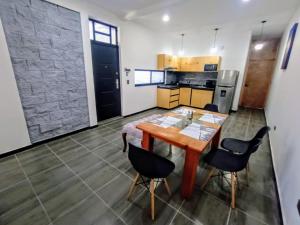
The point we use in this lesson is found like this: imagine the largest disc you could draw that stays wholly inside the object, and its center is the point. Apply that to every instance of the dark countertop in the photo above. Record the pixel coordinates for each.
(172, 87)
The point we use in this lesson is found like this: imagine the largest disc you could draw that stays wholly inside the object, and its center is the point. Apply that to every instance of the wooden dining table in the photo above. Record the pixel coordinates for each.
(193, 147)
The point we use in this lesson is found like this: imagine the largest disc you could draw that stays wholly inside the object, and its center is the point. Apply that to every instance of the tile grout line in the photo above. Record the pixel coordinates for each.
(139, 195)
(102, 159)
(177, 211)
(88, 186)
(32, 188)
(257, 219)
(83, 200)
(92, 152)
(228, 217)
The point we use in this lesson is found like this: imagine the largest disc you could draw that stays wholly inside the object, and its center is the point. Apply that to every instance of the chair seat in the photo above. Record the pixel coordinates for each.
(149, 164)
(235, 145)
(130, 128)
(225, 160)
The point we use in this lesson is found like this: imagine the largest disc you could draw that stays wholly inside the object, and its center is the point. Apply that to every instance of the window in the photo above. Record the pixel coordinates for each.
(148, 77)
(102, 32)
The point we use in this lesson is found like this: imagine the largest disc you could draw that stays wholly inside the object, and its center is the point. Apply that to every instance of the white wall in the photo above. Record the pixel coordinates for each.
(13, 129)
(233, 44)
(282, 111)
(139, 49)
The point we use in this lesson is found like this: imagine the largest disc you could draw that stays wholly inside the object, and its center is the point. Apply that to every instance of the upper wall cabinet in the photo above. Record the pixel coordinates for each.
(168, 61)
(186, 64)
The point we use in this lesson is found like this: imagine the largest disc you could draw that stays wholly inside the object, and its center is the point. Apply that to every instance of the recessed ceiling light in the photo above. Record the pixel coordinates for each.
(259, 46)
(166, 18)
(246, 0)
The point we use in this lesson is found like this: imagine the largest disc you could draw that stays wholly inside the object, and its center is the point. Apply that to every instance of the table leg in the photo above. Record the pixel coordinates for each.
(189, 173)
(147, 142)
(216, 140)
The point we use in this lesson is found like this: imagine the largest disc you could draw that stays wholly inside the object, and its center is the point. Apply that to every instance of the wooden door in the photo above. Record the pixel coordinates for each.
(259, 74)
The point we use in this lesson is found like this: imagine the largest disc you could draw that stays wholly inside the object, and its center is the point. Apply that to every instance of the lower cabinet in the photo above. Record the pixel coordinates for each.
(167, 98)
(171, 98)
(185, 96)
(201, 97)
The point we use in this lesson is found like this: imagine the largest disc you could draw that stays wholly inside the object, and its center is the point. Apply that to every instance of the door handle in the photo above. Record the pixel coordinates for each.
(117, 84)
(246, 85)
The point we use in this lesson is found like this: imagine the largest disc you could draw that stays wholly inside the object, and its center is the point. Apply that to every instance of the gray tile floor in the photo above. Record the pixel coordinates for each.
(84, 179)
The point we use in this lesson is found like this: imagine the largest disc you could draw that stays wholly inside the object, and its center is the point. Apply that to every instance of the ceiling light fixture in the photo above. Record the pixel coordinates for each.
(246, 1)
(181, 51)
(166, 18)
(260, 44)
(214, 48)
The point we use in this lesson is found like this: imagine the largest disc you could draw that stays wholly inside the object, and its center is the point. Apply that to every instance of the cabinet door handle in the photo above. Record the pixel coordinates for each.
(117, 84)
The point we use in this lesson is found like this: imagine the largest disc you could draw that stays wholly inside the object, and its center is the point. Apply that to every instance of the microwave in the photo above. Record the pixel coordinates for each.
(210, 67)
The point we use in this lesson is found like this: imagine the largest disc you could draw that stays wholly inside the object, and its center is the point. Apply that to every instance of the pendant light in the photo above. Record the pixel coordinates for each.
(259, 46)
(214, 48)
(181, 51)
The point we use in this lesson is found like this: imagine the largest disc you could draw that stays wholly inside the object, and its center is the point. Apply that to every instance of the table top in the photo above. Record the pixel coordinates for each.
(178, 135)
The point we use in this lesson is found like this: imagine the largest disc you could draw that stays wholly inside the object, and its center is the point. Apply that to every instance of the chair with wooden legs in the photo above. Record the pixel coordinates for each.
(230, 162)
(151, 169)
(240, 146)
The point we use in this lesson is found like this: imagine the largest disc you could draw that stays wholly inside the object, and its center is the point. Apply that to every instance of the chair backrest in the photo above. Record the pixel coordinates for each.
(257, 140)
(211, 107)
(140, 160)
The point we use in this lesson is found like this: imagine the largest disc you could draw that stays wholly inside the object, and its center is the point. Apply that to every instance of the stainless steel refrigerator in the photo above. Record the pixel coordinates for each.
(225, 89)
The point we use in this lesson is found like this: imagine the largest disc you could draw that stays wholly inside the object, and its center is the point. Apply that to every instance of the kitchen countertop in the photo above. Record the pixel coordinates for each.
(193, 86)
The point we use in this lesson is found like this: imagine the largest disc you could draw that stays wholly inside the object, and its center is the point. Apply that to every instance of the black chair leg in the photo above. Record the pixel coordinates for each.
(124, 141)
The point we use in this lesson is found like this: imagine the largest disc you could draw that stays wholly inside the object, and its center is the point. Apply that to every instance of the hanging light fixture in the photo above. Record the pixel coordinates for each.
(181, 51)
(214, 48)
(260, 45)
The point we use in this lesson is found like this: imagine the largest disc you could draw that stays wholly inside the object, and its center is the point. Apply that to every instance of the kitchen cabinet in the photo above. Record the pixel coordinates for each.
(167, 98)
(186, 64)
(168, 61)
(201, 97)
(185, 96)
(196, 64)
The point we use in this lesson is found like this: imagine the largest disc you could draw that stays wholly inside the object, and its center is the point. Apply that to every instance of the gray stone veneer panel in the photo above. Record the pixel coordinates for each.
(46, 50)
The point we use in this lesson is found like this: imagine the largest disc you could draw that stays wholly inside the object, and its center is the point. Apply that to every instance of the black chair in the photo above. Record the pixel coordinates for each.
(229, 161)
(150, 168)
(211, 107)
(240, 146)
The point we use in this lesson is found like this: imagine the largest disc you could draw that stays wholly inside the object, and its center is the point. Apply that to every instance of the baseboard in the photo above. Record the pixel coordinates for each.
(42, 142)
(278, 192)
(145, 110)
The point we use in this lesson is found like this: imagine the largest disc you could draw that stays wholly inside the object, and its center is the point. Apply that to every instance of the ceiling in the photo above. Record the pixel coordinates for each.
(205, 14)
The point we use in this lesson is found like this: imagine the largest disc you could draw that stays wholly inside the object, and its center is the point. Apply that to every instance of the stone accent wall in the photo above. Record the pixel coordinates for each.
(46, 50)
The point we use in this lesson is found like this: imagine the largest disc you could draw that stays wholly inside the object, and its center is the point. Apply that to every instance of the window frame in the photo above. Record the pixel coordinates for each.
(151, 83)
(105, 34)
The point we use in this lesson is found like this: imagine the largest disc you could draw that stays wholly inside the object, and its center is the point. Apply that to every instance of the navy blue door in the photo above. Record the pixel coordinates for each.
(106, 79)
